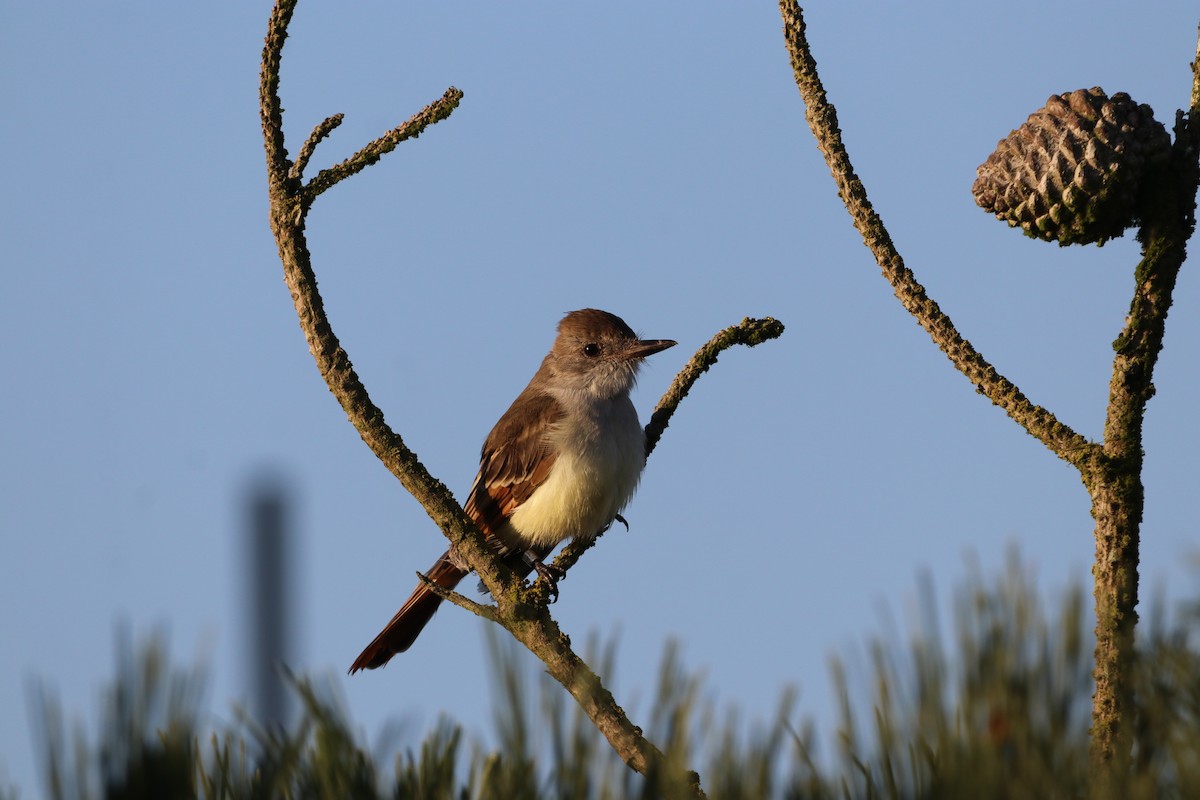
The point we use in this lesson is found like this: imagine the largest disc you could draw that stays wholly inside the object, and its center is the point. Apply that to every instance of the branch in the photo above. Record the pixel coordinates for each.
(749, 332)
(822, 118)
(462, 601)
(541, 635)
(546, 640)
(310, 144)
(1195, 104)
(1168, 221)
(268, 92)
(433, 113)
(1115, 482)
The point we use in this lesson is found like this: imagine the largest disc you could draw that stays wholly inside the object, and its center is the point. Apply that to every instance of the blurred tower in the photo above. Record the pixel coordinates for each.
(268, 594)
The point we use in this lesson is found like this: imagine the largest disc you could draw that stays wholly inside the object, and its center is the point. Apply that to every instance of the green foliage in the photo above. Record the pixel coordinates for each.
(1007, 719)
(1001, 714)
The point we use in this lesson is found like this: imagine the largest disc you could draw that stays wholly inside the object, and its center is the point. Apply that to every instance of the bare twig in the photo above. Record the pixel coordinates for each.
(310, 144)
(462, 601)
(433, 113)
(822, 118)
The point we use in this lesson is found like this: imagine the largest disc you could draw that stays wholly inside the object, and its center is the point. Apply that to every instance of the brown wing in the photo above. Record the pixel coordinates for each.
(516, 459)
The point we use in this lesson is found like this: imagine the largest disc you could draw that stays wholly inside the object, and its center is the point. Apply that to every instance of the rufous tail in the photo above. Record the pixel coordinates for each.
(412, 617)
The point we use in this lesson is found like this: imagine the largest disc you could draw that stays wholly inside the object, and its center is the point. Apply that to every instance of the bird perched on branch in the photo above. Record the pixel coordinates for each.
(561, 463)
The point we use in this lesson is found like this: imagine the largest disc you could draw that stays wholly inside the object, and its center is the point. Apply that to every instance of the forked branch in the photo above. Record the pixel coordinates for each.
(433, 113)
(290, 201)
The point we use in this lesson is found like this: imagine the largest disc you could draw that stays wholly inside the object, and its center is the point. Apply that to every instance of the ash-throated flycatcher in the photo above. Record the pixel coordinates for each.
(560, 464)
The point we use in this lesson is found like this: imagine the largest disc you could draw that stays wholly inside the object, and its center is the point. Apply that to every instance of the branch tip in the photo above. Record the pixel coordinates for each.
(749, 332)
(310, 144)
(432, 114)
(478, 609)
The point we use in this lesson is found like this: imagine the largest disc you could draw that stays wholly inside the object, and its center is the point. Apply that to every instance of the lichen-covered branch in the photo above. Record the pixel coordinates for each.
(433, 113)
(1115, 482)
(481, 610)
(268, 91)
(542, 636)
(749, 332)
(287, 215)
(322, 130)
(822, 118)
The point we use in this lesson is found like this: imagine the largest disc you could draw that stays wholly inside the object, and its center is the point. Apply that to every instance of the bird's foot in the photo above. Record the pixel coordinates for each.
(617, 518)
(551, 575)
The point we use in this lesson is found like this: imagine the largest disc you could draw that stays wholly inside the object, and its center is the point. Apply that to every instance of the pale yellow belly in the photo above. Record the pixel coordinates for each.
(576, 501)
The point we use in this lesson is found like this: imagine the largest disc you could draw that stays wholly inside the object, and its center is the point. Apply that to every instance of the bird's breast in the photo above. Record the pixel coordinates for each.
(599, 459)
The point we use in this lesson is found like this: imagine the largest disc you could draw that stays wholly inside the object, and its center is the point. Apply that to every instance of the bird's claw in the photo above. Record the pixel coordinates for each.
(552, 575)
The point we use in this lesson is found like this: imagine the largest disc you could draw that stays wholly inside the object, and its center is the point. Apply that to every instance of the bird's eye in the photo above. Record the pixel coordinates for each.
(591, 349)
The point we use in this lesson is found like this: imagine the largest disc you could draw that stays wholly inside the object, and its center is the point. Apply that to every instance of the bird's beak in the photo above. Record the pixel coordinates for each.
(648, 347)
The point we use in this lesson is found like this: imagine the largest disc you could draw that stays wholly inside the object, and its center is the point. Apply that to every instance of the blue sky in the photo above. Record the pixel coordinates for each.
(648, 159)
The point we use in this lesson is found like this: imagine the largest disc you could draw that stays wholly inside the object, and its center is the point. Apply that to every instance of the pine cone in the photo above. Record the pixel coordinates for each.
(1073, 173)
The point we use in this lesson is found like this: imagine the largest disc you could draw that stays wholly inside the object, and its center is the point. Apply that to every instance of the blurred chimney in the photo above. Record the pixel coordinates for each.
(268, 593)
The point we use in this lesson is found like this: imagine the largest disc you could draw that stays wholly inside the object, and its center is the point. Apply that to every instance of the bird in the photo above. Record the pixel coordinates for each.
(561, 463)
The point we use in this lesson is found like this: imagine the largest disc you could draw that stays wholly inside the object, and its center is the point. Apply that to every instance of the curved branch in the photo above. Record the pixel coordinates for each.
(268, 92)
(822, 118)
(749, 332)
